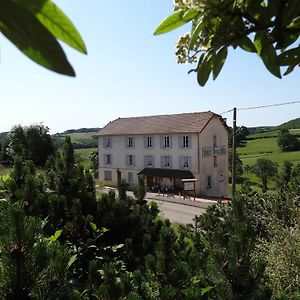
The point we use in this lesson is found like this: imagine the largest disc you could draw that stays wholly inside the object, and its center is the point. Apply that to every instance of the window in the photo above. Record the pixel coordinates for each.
(149, 141)
(215, 161)
(166, 141)
(130, 177)
(185, 141)
(107, 142)
(107, 159)
(215, 141)
(130, 142)
(130, 160)
(166, 161)
(107, 175)
(208, 182)
(185, 161)
(148, 161)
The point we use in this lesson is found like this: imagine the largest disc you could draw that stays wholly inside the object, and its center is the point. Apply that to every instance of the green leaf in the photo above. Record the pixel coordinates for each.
(93, 226)
(246, 44)
(194, 35)
(267, 52)
(55, 21)
(289, 70)
(259, 41)
(32, 38)
(170, 23)
(290, 57)
(71, 260)
(204, 70)
(190, 15)
(270, 59)
(295, 23)
(56, 235)
(218, 62)
(206, 290)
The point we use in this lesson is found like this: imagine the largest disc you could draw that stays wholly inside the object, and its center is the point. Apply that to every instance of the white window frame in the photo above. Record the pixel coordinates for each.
(208, 182)
(185, 162)
(107, 142)
(215, 157)
(108, 159)
(185, 141)
(214, 141)
(167, 161)
(130, 177)
(130, 142)
(167, 141)
(107, 175)
(149, 161)
(130, 160)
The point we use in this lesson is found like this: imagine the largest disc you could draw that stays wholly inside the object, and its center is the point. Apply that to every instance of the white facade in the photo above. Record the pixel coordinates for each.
(205, 154)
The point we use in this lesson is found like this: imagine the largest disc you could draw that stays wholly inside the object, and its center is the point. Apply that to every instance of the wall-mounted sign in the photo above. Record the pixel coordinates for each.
(189, 186)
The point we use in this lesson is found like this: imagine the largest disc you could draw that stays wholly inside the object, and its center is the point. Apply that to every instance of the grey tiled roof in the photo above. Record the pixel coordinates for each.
(177, 123)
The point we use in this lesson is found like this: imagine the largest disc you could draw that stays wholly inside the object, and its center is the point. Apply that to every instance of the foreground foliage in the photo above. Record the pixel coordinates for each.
(58, 241)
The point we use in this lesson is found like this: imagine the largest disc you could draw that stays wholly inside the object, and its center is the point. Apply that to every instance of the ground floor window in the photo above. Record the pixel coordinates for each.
(107, 175)
(208, 182)
(130, 177)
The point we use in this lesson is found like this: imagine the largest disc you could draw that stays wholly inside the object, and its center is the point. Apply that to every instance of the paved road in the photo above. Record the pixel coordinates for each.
(179, 213)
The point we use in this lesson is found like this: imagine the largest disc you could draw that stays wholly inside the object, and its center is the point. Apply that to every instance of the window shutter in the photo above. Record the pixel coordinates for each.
(145, 141)
(171, 163)
(171, 141)
(133, 160)
(111, 159)
(133, 142)
(190, 141)
(190, 162)
(161, 142)
(161, 161)
(180, 141)
(152, 141)
(110, 146)
(153, 162)
(126, 142)
(180, 162)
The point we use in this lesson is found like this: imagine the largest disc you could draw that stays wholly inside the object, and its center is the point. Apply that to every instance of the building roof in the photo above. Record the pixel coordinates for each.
(170, 173)
(178, 123)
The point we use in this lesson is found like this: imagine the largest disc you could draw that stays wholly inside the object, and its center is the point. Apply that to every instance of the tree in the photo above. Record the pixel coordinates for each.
(32, 143)
(264, 169)
(287, 141)
(268, 28)
(35, 29)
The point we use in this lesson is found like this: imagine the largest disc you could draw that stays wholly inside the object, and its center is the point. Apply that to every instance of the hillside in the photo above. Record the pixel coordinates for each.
(292, 124)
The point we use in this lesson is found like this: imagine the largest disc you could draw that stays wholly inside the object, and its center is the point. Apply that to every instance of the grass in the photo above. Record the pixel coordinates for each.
(85, 154)
(81, 137)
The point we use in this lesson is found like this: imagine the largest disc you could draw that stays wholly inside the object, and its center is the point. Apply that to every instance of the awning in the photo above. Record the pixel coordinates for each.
(169, 173)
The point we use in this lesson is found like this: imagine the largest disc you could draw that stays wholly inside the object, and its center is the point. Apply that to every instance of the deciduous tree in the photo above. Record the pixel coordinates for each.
(268, 28)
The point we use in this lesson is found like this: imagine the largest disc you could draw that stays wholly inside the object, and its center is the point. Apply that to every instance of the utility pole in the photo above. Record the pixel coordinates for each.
(233, 173)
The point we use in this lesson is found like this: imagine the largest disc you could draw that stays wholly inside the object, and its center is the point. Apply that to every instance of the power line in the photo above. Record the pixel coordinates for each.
(269, 105)
(262, 106)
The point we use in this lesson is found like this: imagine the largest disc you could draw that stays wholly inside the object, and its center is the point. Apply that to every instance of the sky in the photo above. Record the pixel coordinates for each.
(130, 72)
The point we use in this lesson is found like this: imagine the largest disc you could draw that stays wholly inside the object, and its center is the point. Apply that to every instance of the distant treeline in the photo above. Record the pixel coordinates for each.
(81, 130)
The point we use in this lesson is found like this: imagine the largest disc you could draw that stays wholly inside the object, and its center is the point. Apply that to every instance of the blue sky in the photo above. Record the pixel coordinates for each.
(130, 72)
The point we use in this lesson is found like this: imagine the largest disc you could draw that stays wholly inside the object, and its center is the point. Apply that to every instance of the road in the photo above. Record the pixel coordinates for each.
(179, 213)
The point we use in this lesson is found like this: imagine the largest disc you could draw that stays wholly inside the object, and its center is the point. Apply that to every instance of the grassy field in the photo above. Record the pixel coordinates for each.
(266, 148)
(84, 154)
(81, 137)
